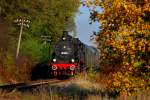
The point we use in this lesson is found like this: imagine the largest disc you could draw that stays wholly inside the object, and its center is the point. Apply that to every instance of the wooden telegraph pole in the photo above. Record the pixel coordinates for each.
(22, 23)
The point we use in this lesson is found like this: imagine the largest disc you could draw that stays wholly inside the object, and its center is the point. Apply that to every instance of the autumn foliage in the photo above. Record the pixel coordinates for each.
(124, 42)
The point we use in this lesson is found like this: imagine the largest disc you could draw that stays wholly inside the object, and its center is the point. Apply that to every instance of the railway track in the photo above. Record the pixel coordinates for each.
(55, 86)
(33, 85)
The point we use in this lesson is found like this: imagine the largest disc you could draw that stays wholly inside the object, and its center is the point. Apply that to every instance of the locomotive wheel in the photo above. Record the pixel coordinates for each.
(72, 73)
(55, 73)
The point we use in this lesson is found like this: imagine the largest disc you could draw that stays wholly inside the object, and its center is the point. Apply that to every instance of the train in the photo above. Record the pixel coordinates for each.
(71, 56)
(68, 57)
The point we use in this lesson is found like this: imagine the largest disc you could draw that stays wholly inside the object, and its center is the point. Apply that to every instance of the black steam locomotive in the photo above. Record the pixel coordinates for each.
(70, 56)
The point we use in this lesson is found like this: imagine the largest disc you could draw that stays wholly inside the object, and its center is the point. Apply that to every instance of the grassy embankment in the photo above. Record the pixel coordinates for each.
(83, 87)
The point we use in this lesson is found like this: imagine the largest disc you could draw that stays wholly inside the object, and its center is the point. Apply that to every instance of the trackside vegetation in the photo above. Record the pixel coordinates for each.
(47, 18)
(124, 42)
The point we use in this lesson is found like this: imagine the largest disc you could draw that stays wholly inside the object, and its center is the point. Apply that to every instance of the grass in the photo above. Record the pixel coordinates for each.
(143, 95)
(55, 96)
(82, 87)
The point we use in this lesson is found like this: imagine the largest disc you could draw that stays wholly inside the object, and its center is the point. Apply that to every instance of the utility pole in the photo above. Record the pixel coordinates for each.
(47, 39)
(22, 23)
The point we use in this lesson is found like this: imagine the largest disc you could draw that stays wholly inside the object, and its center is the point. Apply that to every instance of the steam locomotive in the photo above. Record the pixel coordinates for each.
(70, 56)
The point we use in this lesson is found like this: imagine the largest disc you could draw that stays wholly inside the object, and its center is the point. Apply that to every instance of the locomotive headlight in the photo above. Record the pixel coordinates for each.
(64, 38)
(72, 67)
(72, 60)
(54, 60)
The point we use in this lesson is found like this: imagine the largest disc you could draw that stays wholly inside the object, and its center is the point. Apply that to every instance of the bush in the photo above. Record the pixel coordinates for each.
(34, 50)
(126, 83)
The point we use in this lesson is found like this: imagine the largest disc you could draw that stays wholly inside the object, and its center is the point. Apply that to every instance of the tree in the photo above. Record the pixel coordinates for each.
(48, 17)
(124, 38)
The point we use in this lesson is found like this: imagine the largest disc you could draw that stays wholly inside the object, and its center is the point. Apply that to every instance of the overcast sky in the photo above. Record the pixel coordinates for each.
(84, 29)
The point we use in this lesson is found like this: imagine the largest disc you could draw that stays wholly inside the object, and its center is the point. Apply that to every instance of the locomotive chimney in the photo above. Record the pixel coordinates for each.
(65, 32)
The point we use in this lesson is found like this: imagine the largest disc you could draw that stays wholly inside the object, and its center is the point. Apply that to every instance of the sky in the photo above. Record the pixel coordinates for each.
(84, 29)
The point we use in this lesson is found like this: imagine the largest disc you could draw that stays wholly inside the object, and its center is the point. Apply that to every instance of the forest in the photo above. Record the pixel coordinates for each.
(46, 17)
